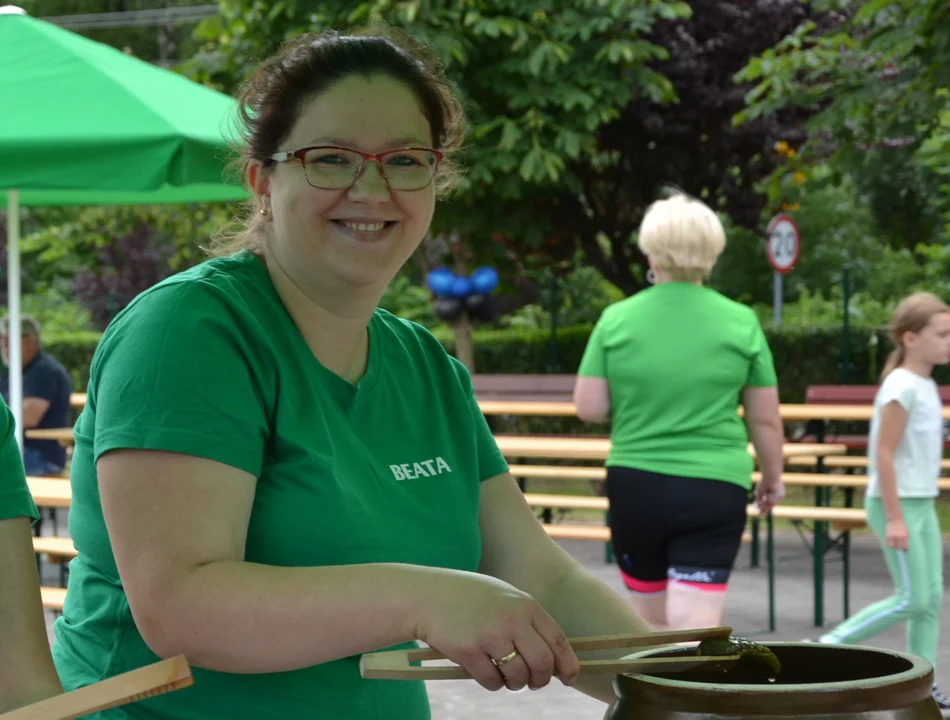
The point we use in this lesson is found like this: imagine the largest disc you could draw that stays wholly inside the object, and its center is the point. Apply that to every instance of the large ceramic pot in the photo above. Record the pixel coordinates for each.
(833, 682)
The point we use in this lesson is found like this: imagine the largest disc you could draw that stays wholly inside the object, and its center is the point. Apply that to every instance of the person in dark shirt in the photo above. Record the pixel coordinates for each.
(46, 390)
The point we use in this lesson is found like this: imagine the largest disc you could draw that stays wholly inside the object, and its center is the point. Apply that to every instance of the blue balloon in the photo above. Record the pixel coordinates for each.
(462, 287)
(441, 280)
(485, 280)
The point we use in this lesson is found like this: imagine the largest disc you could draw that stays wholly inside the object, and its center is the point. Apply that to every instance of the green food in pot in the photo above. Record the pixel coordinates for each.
(753, 657)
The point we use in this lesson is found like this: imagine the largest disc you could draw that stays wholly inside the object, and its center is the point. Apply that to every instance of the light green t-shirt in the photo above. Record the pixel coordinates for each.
(209, 363)
(918, 456)
(15, 498)
(676, 358)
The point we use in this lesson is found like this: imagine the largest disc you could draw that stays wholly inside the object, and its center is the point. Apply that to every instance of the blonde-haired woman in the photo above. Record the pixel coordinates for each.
(905, 447)
(668, 367)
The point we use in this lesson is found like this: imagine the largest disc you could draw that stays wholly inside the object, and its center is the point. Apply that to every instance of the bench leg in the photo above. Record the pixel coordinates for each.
(846, 549)
(819, 570)
(754, 548)
(770, 559)
(819, 547)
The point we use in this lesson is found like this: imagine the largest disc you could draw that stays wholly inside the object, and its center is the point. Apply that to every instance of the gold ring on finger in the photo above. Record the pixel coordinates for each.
(507, 658)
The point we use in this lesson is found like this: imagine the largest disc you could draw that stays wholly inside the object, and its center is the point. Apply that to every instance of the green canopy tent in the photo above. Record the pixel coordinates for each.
(85, 124)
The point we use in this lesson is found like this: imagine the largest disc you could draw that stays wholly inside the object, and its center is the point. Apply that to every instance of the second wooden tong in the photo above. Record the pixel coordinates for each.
(397, 664)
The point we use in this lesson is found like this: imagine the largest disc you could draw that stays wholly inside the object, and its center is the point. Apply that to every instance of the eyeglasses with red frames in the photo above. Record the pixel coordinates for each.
(328, 167)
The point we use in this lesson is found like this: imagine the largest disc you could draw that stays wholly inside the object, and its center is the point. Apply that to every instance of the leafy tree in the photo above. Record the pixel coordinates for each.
(876, 81)
(691, 142)
(111, 254)
(579, 111)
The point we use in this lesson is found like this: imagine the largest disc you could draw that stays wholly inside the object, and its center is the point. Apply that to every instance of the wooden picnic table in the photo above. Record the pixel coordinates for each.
(553, 408)
(790, 412)
(565, 448)
(593, 448)
(590, 448)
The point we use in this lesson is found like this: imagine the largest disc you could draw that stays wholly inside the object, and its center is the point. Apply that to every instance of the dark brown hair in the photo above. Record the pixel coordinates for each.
(911, 315)
(273, 97)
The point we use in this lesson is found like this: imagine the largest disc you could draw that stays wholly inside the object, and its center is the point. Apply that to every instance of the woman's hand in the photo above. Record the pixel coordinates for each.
(476, 620)
(768, 494)
(896, 535)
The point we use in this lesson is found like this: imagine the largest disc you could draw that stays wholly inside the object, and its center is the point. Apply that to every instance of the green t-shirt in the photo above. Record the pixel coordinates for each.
(676, 358)
(209, 363)
(15, 498)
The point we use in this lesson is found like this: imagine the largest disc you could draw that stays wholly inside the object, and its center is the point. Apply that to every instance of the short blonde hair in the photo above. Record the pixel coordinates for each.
(683, 237)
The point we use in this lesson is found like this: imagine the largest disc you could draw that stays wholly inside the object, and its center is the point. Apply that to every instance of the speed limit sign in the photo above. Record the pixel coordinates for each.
(784, 245)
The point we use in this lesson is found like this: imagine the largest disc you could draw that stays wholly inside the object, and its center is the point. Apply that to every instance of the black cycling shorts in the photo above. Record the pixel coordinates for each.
(669, 528)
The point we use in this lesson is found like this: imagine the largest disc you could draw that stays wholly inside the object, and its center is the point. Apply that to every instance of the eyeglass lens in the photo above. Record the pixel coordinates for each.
(336, 168)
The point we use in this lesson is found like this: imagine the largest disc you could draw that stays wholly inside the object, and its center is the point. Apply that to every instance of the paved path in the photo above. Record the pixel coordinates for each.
(747, 612)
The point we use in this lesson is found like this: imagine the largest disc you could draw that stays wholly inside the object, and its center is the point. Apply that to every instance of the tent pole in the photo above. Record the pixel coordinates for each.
(13, 314)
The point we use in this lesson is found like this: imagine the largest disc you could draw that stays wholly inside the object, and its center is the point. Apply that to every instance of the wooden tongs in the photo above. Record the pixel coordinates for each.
(145, 682)
(396, 664)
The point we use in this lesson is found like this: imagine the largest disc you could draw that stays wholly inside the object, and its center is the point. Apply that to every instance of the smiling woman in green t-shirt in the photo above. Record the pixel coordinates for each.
(27, 674)
(668, 367)
(271, 476)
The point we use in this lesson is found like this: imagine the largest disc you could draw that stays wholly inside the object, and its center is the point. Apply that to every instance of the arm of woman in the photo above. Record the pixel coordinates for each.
(893, 420)
(178, 525)
(592, 389)
(517, 550)
(592, 399)
(27, 674)
(767, 433)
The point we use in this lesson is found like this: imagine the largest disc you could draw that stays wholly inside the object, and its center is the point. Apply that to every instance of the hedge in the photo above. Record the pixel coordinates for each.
(802, 357)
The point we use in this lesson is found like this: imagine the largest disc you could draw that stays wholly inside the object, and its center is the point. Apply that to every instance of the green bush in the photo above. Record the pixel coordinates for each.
(802, 356)
(524, 351)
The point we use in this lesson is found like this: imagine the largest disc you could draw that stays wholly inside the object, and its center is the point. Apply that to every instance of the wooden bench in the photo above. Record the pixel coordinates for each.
(844, 519)
(53, 598)
(61, 548)
(50, 492)
(847, 395)
(847, 462)
(553, 387)
(849, 518)
(57, 549)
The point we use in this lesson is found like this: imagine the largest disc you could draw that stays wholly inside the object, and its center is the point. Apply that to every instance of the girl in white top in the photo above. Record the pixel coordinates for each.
(905, 448)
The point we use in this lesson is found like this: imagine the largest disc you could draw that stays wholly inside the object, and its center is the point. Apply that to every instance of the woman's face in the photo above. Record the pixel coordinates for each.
(356, 237)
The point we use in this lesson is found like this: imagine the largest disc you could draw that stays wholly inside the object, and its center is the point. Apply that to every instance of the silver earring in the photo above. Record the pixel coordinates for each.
(263, 211)
(651, 276)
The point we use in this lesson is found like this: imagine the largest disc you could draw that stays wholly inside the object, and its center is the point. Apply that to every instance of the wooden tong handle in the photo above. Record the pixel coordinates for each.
(396, 664)
(149, 681)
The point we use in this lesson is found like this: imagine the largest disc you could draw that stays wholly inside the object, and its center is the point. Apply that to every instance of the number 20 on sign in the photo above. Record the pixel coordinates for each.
(784, 245)
(782, 248)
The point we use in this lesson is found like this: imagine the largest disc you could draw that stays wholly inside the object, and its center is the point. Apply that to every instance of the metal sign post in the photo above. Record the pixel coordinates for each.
(783, 249)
